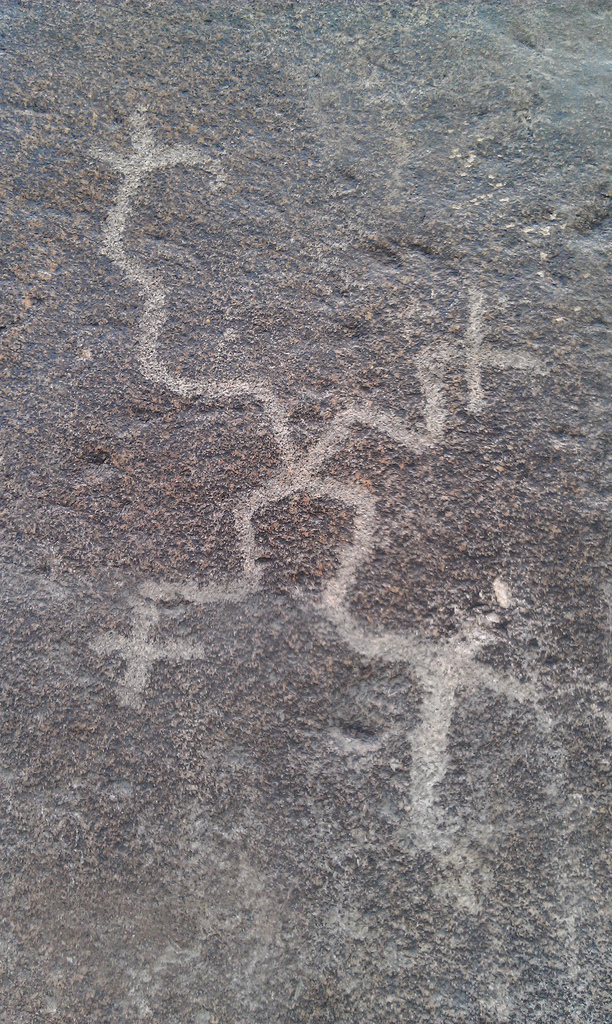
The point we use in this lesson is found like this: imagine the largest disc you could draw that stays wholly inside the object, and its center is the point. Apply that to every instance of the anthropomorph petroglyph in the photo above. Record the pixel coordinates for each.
(443, 667)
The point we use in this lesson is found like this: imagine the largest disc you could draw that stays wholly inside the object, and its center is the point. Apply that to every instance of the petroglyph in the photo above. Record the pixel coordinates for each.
(140, 652)
(479, 355)
(441, 668)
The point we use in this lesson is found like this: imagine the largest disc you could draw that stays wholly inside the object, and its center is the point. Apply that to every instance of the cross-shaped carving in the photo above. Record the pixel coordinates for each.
(140, 652)
(479, 355)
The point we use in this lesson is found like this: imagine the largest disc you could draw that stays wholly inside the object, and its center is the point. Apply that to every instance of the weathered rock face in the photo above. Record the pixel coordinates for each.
(306, 576)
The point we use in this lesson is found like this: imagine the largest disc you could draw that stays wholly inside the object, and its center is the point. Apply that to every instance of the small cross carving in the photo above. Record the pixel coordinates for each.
(140, 652)
(478, 354)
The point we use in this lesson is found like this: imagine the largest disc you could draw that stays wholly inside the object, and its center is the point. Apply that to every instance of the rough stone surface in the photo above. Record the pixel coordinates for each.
(305, 551)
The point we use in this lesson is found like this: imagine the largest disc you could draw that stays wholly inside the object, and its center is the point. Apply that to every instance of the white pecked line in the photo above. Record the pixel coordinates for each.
(440, 667)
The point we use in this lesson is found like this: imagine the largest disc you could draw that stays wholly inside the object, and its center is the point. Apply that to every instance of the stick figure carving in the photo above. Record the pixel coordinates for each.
(441, 667)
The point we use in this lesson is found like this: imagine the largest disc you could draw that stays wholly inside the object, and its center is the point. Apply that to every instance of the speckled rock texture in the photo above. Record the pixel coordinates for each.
(305, 528)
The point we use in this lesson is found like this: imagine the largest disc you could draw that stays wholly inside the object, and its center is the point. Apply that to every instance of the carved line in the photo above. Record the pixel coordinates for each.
(439, 671)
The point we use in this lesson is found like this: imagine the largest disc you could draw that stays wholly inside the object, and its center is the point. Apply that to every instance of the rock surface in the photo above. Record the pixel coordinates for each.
(305, 552)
